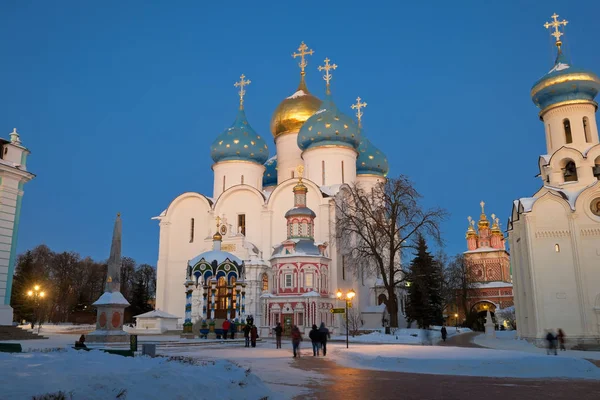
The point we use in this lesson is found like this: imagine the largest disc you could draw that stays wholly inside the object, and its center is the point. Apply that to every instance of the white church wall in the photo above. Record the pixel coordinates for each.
(555, 133)
(232, 173)
(332, 165)
(242, 199)
(288, 156)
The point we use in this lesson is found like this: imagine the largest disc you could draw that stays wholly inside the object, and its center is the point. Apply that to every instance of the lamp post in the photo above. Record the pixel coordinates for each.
(36, 294)
(456, 322)
(349, 295)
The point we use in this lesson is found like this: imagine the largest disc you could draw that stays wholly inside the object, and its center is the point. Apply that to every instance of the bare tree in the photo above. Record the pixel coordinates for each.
(355, 322)
(374, 227)
(460, 281)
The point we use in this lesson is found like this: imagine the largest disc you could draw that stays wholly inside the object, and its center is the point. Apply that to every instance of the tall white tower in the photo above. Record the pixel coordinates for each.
(13, 176)
(555, 234)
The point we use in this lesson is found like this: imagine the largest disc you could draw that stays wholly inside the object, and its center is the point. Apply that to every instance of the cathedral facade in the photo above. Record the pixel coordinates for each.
(554, 235)
(274, 217)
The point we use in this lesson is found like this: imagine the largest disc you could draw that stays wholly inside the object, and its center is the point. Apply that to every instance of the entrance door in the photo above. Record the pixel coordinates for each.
(288, 320)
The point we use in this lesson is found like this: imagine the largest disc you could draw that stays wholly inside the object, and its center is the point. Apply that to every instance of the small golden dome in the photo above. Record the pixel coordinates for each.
(292, 112)
(217, 237)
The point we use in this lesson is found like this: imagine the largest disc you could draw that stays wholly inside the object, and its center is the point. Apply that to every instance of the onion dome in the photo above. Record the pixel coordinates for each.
(240, 142)
(496, 226)
(564, 84)
(292, 112)
(483, 221)
(329, 126)
(270, 175)
(471, 233)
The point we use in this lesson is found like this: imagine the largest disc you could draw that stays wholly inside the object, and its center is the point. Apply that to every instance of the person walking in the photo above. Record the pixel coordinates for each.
(225, 327)
(315, 338)
(551, 343)
(323, 336)
(444, 333)
(247, 334)
(296, 339)
(561, 339)
(253, 335)
(278, 332)
(232, 329)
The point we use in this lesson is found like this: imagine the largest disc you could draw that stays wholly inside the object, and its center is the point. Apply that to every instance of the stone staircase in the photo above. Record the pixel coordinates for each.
(16, 333)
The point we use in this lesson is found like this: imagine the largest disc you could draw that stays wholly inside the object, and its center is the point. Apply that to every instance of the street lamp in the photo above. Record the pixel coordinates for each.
(456, 321)
(36, 294)
(348, 298)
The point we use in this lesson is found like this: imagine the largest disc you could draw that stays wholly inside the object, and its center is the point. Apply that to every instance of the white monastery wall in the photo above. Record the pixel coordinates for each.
(233, 173)
(331, 165)
(288, 156)
(555, 133)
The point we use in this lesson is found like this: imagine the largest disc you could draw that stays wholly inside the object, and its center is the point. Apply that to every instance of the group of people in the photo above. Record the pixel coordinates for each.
(318, 338)
(228, 329)
(250, 332)
(552, 339)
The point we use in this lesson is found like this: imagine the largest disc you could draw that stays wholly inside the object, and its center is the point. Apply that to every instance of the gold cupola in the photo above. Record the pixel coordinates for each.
(471, 233)
(483, 221)
(293, 111)
(496, 226)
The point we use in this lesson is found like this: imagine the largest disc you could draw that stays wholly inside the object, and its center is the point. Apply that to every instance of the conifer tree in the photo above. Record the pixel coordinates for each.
(424, 303)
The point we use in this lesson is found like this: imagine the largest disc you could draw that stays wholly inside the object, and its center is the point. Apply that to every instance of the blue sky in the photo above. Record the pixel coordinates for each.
(119, 101)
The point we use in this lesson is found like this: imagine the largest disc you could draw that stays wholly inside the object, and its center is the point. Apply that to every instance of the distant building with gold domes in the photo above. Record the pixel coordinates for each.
(278, 231)
(488, 264)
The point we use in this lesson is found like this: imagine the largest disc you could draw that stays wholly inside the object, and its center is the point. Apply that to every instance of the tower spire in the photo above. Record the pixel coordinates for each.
(327, 67)
(113, 280)
(358, 106)
(242, 82)
(556, 24)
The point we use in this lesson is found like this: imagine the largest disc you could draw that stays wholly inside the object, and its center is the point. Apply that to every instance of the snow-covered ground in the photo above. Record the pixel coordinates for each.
(271, 365)
(463, 361)
(507, 340)
(58, 328)
(97, 375)
(403, 336)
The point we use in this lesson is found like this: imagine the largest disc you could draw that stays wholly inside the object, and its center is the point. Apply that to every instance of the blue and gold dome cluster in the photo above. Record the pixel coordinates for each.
(239, 143)
(327, 127)
(270, 175)
(564, 83)
(371, 160)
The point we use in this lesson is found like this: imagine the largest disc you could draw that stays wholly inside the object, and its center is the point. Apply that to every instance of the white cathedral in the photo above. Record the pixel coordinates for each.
(263, 243)
(554, 235)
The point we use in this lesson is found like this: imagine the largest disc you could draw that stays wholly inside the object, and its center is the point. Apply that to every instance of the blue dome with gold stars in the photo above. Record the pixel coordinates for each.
(270, 175)
(327, 127)
(371, 160)
(564, 84)
(239, 143)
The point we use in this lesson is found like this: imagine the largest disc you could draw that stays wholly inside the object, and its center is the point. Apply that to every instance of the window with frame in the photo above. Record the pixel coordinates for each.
(288, 280)
(308, 280)
(265, 282)
(300, 318)
(192, 230)
(242, 224)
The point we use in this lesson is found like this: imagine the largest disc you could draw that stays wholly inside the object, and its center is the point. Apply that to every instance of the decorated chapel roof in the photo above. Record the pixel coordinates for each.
(240, 142)
(328, 126)
(564, 84)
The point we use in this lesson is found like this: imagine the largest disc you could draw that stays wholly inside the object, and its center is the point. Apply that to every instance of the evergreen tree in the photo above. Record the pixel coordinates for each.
(425, 301)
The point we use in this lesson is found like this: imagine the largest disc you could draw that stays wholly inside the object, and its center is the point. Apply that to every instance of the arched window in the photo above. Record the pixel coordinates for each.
(222, 298)
(242, 179)
(549, 135)
(586, 130)
(596, 168)
(223, 182)
(557, 248)
(265, 282)
(568, 135)
(381, 299)
(570, 172)
(191, 230)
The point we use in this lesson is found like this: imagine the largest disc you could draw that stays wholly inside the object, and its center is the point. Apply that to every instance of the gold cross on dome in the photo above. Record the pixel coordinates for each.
(218, 221)
(556, 25)
(303, 51)
(357, 107)
(327, 67)
(482, 204)
(300, 171)
(243, 82)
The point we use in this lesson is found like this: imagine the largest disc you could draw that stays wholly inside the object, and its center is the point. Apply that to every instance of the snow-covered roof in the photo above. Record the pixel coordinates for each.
(483, 249)
(546, 158)
(312, 293)
(527, 203)
(215, 255)
(109, 298)
(331, 190)
(157, 314)
(303, 247)
(266, 296)
(299, 93)
(491, 285)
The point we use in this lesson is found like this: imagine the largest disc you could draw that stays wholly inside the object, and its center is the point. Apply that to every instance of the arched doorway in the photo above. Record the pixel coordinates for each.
(478, 314)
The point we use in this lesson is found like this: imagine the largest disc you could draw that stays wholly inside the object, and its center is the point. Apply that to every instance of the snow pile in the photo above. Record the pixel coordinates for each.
(97, 375)
(402, 336)
(299, 93)
(60, 328)
(464, 361)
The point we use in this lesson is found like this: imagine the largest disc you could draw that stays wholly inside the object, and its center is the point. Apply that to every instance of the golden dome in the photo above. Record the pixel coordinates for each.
(292, 112)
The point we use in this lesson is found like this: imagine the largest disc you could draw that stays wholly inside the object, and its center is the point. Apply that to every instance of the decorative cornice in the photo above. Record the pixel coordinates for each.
(552, 234)
(567, 103)
(590, 232)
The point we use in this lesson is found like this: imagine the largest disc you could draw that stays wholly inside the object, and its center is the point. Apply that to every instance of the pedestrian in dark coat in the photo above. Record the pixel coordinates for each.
(551, 343)
(225, 327)
(247, 330)
(278, 332)
(231, 330)
(315, 338)
(323, 336)
(296, 339)
(253, 335)
(444, 333)
(561, 339)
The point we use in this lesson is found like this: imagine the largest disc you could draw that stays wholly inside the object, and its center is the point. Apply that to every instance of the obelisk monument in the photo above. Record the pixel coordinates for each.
(111, 305)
